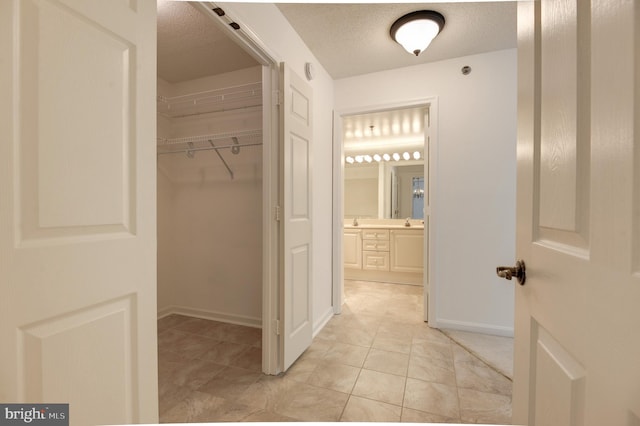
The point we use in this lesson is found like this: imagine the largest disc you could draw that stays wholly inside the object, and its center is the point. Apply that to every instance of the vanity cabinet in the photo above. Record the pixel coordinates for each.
(407, 250)
(352, 248)
(393, 255)
(375, 249)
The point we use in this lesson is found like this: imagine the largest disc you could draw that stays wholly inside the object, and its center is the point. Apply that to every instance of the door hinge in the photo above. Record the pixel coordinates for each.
(276, 326)
(278, 213)
(278, 97)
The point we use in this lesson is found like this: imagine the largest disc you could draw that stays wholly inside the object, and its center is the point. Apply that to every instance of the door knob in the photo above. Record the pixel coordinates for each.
(519, 271)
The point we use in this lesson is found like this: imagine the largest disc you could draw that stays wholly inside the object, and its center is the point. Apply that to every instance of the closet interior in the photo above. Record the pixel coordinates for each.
(209, 159)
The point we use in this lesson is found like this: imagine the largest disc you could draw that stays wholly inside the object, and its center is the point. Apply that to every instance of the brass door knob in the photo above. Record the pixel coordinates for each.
(519, 271)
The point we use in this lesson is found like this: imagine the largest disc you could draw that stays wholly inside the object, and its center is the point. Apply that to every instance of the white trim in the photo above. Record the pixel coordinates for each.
(252, 44)
(320, 323)
(475, 327)
(429, 279)
(211, 315)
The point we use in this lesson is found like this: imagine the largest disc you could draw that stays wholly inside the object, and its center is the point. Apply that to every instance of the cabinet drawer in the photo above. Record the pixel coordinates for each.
(375, 260)
(373, 245)
(375, 234)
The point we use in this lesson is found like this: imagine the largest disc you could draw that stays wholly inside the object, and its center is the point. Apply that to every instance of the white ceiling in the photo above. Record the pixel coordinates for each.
(347, 39)
(191, 46)
(353, 39)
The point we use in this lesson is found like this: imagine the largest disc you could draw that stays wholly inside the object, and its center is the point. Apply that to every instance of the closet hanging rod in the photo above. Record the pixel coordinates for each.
(208, 148)
(205, 138)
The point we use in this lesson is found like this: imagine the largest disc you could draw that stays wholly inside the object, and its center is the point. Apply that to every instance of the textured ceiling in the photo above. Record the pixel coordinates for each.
(191, 46)
(353, 39)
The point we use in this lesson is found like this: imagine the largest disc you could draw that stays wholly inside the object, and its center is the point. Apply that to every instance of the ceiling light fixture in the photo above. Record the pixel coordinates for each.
(415, 30)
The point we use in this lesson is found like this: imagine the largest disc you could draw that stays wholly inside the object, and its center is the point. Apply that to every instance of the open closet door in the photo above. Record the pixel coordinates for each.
(296, 216)
(77, 213)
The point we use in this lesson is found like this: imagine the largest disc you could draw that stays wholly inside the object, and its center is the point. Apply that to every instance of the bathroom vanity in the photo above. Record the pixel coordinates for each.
(384, 251)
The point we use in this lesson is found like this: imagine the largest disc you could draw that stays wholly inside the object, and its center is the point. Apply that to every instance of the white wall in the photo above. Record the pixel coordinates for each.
(281, 41)
(474, 199)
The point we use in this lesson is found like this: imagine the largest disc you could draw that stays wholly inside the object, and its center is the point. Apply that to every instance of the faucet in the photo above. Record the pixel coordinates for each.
(355, 221)
(407, 222)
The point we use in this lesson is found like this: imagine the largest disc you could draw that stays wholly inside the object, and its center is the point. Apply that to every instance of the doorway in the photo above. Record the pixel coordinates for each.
(217, 173)
(355, 133)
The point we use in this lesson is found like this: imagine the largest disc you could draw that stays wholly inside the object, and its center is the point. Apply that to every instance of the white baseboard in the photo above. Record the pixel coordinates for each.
(324, 319)
(211, 315)
(474, 327)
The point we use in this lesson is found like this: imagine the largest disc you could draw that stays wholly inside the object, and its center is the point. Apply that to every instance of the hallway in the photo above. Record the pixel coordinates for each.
(376, 362)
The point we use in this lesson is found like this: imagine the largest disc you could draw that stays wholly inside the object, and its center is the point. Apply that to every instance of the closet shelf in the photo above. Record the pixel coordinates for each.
(244, 134)
(218, 100)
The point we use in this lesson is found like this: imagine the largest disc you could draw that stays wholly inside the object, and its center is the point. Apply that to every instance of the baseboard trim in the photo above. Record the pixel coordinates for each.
(475, 327)
(324, 319)
(211, 315)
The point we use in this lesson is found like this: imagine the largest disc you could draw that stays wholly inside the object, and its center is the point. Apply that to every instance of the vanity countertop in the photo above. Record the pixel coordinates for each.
(382, 226)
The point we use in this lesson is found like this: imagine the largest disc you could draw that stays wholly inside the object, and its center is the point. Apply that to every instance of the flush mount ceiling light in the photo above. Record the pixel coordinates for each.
(415, 30)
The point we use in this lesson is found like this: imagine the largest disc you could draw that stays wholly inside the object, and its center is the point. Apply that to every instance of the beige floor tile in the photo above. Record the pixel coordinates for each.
(264, 416)
(431, 335)
(240, 334)
(471, 373)
(231, 382)
(224, 353)
(338, 377)
(271, 393)
(366, 410)
(302, 369)
(497, 351)
(171, 321)
(193, 374)
(345, 353)
(387, 362)
(382, 387)
(193, 346)
(354, 370)
(250, 358)
(414, 416)
(170, 395)
(482, 407)
(354, 336)
(202, 407)
(432, 398)
(199, 326)
(310, 403)
(427, 349)
(388, 341)
(431, 370)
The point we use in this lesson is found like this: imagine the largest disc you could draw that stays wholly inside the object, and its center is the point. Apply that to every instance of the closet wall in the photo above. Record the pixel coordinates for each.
(210, 222)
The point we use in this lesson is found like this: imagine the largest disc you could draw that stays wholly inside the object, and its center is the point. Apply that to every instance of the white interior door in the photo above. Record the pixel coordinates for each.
(77, 208)
(577, 349)
(296, 211)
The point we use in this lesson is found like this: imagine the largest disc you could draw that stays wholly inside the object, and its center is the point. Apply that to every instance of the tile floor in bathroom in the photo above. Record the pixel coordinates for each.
(377, 361)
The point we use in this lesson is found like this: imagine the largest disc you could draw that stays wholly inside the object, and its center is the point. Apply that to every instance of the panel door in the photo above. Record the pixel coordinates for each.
(577, 316)
(296, 189)
(77, 208)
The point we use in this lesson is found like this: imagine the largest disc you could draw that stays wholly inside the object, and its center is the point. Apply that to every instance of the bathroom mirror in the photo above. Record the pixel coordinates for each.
(384, 164)
(384, 190)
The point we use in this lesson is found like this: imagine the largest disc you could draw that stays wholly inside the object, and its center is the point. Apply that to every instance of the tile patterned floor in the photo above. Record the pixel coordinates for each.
(376, 362)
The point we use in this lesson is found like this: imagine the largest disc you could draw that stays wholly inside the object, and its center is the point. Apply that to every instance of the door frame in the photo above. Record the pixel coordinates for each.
(430, 167)
(270, 63)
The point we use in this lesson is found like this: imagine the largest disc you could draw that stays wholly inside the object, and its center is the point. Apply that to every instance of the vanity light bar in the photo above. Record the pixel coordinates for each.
(386, 157)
